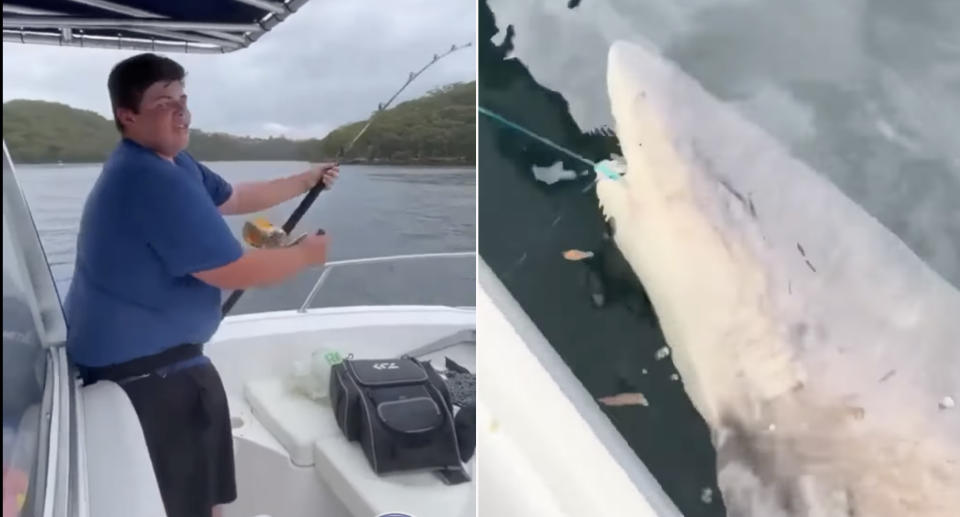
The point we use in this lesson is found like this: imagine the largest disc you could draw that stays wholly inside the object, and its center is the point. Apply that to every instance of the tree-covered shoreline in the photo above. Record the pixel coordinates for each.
(434, 130)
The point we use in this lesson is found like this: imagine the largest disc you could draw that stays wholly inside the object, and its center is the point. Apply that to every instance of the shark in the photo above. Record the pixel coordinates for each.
(822, 352)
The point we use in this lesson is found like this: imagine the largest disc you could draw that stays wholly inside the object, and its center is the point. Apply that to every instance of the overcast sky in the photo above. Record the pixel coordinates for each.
(330, 63)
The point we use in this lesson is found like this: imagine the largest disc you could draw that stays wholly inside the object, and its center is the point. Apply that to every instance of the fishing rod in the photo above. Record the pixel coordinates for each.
(315, 191)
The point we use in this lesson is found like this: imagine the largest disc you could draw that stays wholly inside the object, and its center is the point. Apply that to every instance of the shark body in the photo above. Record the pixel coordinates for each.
(817, 346)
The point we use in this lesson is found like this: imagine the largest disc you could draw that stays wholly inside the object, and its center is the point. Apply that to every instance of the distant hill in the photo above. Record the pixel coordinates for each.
(437, 128)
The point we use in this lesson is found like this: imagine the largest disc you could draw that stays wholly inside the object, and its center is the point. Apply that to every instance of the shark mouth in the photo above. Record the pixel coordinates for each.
(823, 354)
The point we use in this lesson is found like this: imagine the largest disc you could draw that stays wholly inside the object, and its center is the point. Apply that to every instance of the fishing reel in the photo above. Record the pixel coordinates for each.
(261, 233)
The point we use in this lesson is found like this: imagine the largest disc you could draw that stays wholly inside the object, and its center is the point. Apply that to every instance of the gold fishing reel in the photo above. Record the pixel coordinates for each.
(261, 233)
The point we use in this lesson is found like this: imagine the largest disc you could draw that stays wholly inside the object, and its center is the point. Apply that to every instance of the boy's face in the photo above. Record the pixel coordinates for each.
(163, 120)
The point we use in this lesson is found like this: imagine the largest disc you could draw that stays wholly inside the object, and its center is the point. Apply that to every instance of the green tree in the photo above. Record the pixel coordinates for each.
(437, 128)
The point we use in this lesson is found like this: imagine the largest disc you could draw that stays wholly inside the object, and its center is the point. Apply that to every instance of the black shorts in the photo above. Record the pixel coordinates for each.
(186, 423)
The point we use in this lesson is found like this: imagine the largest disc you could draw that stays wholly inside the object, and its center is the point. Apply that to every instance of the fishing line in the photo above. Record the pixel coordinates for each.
(601, 168)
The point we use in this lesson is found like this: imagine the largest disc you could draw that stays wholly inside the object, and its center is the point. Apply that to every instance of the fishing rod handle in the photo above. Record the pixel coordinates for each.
(235, 296)
(231, 301)
(303, 207)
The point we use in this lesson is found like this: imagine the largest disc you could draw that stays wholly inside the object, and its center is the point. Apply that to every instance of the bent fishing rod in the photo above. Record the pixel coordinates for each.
(315, 191)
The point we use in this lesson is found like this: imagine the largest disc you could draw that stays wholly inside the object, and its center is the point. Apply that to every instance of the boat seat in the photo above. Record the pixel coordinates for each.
(293, 419)
(309, 433)
(117, 456)
(343, 466)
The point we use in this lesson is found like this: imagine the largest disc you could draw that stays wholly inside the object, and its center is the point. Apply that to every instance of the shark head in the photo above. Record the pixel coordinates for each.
(815, 344)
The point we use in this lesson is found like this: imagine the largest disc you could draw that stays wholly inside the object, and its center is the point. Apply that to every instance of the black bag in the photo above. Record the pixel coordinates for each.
(401, 413)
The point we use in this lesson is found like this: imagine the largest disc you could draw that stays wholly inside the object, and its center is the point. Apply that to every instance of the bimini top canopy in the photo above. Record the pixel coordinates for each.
(210, 26)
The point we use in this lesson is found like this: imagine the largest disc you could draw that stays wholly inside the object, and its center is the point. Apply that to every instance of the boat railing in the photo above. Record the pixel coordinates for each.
(333, 265)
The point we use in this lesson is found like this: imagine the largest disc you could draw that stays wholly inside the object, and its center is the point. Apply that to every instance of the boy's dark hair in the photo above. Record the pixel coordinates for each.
(132, 76)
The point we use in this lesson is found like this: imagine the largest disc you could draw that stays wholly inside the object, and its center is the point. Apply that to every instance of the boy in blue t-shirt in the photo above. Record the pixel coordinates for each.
(153, 253)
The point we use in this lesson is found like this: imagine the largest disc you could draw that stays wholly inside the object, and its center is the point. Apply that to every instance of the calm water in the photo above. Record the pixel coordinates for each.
(867, 92)
(371, 211)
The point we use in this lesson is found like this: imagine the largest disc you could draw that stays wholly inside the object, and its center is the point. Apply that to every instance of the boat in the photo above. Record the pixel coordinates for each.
(79, 451)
